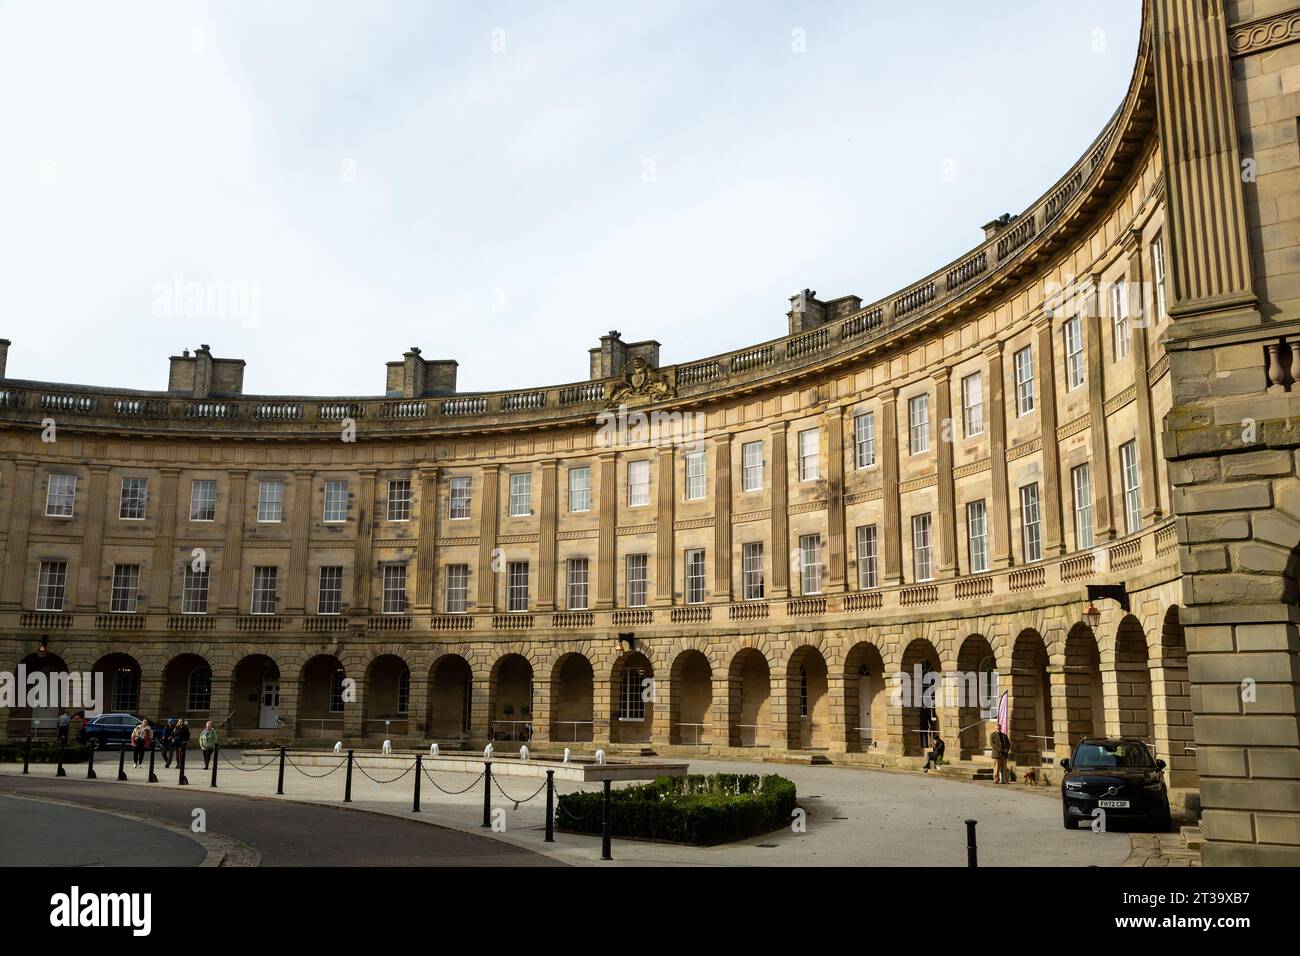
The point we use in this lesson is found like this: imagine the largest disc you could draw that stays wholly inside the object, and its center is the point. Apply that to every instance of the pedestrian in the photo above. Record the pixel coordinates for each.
(141, 738)
(180, 739)
(935, 756)
(207, 742)
(167, 741)
(63, 724)
(1001, 750)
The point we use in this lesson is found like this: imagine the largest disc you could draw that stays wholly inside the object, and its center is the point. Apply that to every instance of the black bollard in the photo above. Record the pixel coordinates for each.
(279, 787)
(216, 759)
(487, 793)
(347, 790)
(971, 859)
(121, 764)
(415, 807)
(604, 825)
(90, 767)
(60, 772)
(27, 754)
(153, 777)
(180, 767)
(550, 807)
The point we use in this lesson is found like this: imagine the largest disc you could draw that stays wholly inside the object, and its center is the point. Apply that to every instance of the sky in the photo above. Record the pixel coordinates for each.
(315, 187)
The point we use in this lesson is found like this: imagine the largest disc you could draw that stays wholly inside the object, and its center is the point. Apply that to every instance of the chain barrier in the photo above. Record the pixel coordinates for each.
(515, 800)
(270, 763)
(357, 766)
(341, 763)
(452, 793)
(559, 808)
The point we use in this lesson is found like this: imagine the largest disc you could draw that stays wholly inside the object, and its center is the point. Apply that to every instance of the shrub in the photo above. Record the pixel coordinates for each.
(696, 809)
(43, 751)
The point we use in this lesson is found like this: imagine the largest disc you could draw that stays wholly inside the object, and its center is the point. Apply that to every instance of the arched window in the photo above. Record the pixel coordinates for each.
(633, 704)
(198, 695)
(404, 692)
(126, 690)
(803, 692)
(336, 691)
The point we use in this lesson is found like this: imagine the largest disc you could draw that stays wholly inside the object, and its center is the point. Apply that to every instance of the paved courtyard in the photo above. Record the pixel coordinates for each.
(855, 817)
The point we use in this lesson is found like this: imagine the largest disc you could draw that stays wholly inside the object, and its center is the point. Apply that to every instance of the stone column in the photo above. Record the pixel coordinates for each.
(164, 556)
(232, 549)
(362, 573)
(489, 519)
(836, 686)
(722, 574)
(947, 516)
(664, 516)
(1000, 517)
(779, 565)
(600, 704)
(1171, 708)
(606, 542)
(542, 696)
(1099, 458)
(426, 564)
(92, 540)
(20, 519)
(1050, 500)
(891, 529)
(295, 601)
(1140, 357)
(1060, 691)
(836, 550)
(546, 540)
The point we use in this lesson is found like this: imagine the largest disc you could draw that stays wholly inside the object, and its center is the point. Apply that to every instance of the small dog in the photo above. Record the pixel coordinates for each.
(1031, 776)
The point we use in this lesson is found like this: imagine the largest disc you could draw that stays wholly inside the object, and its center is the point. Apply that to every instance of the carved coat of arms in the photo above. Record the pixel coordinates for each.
(640, 384)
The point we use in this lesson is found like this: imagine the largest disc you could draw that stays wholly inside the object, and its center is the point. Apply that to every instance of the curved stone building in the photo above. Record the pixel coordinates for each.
(737, 554)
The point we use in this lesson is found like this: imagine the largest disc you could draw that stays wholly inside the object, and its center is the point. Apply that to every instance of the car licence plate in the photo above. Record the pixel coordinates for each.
(1113, 804)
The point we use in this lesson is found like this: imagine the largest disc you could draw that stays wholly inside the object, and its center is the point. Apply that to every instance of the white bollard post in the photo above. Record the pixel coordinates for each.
(433, 750)
(388, 747)
(487, 752)
(600, 757)
(338, 747)
(566, 754)
(523, 753)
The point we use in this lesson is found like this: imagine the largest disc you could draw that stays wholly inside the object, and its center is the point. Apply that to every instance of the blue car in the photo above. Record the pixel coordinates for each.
(112, 731)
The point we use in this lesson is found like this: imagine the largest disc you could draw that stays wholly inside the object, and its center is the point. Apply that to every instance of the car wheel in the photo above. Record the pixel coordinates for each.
(95, 743)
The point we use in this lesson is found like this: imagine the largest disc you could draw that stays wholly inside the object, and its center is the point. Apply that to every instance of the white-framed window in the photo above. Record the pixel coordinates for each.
(972, 405)
(918, 424)
(578, 581)
(922, 560)
(636, 565)
(1119, 318)
(1158, 270)
(51, 585)
(404, 692)
(810, 564)
(336, 690)
(517, 586)
(751, 466)
(868, 565)
(809, 455)
(751, 568)
(329, 595)
(394, 589)
(977, 536)
(1029, 522)
(695, 576)
(696, 476)
(1024, 362)
(631, 698)
(521, 495)
(270, 501)
(198, 690)
(399, 499)
(194, 590)
(457, 590)
(336, 501)
(135, 493)
(1128, 458)
(126, 690)
(61, 495)
(864, 440)
(638, 483)
(1072, 335)
(580, 488)
(265, 581)
(458, 502)
(203, 499)
(126, 588)
(1081, 483)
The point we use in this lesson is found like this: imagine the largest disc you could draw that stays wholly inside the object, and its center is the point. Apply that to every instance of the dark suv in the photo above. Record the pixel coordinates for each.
(111, 730)
(1118, 775)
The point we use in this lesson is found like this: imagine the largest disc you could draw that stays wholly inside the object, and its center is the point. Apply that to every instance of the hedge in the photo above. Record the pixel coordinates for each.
(696, 809)
(43, 751)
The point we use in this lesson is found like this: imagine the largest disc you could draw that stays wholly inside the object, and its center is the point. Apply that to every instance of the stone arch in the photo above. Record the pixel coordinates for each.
(920, 718)
(451, 695)
(1171, 701)
(632, 715)
(1032, 719)
(121, 674)
(387, 697)
(749, 699)
(866, 713)
(808, 719)
(976, 686)
(322, 697)
(510, 698)
(573, 699)
(1133, 681)
(42, 721)
(187, 687)
(255, 678)
(691, 705)
(1085, 704)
